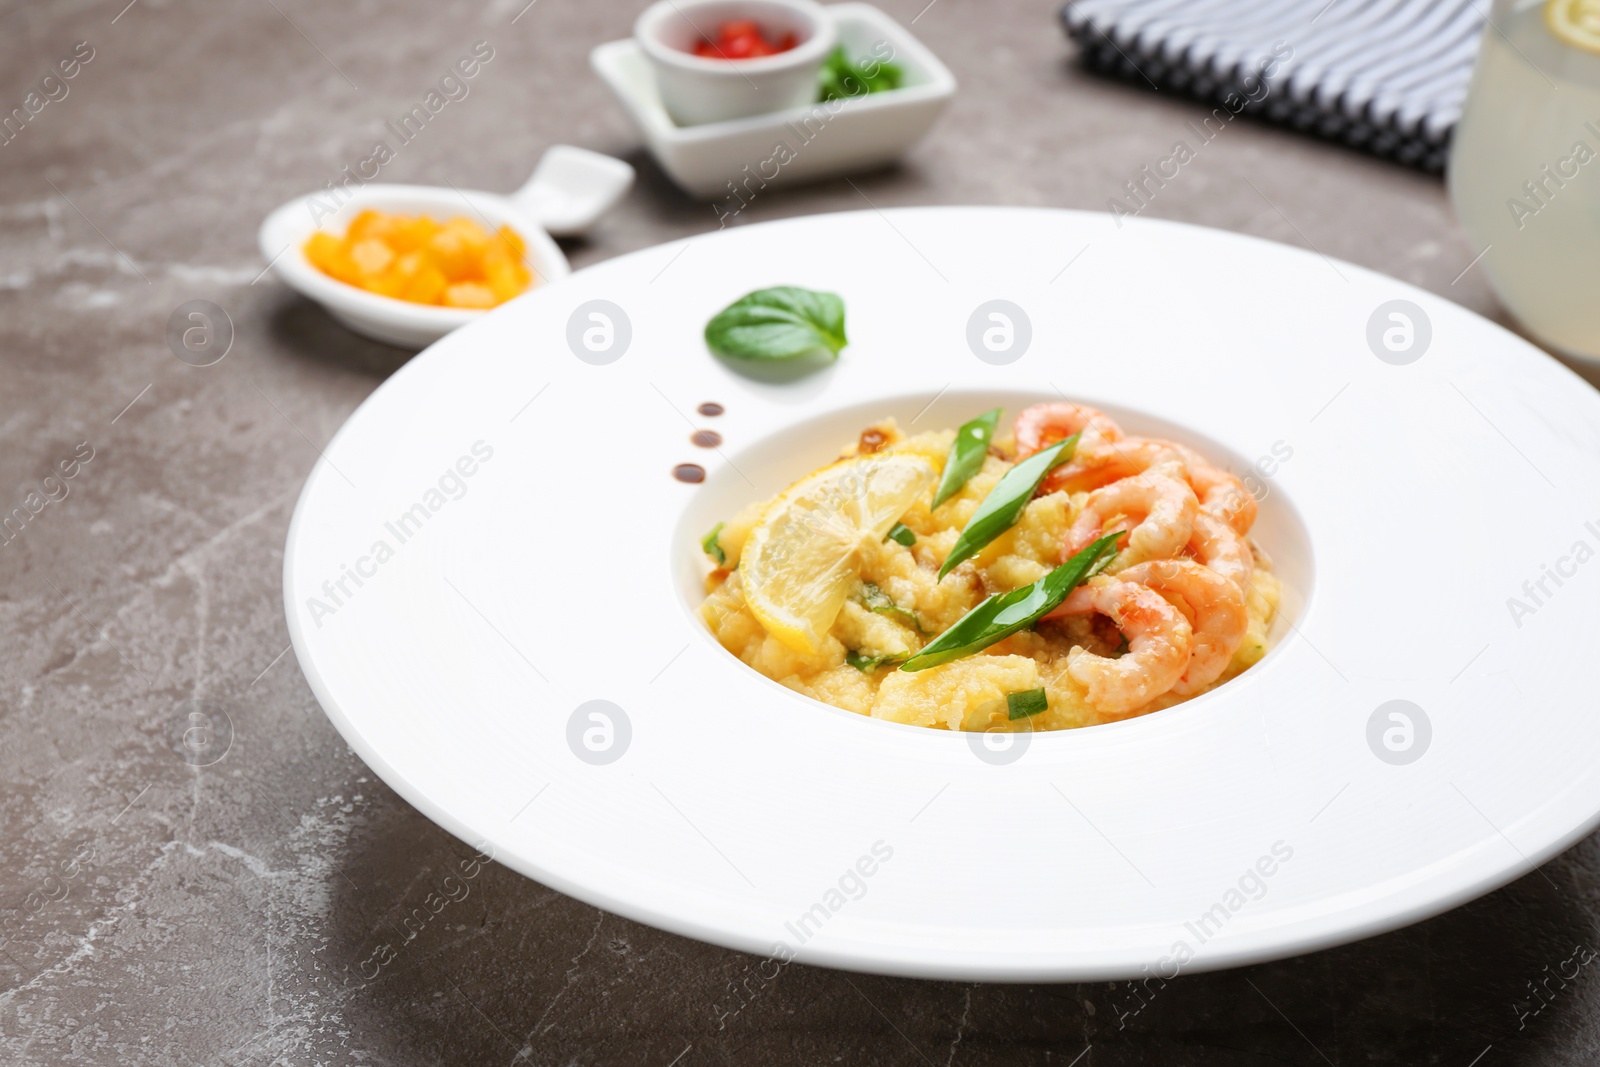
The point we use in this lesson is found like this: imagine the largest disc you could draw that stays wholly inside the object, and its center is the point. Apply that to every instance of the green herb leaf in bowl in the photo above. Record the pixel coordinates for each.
(1000, 510)
(844, 78)
(1003, 614)
(782, 323)
(966, 454)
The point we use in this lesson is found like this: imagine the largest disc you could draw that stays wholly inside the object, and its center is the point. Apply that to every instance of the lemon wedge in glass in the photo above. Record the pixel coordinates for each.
(1577, 22)
(802, 559)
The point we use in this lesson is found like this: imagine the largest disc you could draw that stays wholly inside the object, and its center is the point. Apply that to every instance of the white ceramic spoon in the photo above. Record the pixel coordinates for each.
(570, 189)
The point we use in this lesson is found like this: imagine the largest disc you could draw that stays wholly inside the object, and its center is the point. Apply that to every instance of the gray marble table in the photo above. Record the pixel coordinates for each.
(158, 913)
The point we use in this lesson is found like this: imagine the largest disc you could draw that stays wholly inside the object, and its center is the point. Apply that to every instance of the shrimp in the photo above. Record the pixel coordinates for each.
(1043, 425)
(1212, 604)
(1220, 492)
(1159, 641)
(1100, 463)
(1217, 545)
(1162, 500)
(1229, 501)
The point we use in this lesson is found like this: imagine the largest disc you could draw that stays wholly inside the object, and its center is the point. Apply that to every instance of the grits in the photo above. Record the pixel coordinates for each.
(913, 605)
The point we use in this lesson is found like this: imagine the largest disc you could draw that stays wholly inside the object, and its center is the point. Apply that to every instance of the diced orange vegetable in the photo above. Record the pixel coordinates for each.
(513, 241)
(426, 286)
(412, 233)
(322, 250)
(371, 256)
(506, 279)
(454, 263)
(469, 295)
(370, 224)
(451, 255)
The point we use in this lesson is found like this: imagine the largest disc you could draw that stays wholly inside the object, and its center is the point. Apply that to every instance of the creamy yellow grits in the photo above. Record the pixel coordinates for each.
(962, 693)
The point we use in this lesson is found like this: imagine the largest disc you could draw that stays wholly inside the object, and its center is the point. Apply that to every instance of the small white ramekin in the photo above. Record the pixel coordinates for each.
(385, 318)
(696, 90)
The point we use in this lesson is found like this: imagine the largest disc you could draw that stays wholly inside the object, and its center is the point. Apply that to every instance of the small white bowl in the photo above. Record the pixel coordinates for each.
(385, 318)
(570, 189)
(734, 161)
(697, 90)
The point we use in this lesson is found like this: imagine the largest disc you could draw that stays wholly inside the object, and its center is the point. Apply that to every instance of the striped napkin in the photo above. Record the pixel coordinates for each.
(1387, 76)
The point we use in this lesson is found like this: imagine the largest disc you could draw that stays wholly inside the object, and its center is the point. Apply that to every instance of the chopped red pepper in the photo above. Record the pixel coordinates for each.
(742, 39)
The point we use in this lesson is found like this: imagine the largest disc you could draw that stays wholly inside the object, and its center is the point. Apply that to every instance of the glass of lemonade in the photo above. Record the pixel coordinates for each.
(1525, 167)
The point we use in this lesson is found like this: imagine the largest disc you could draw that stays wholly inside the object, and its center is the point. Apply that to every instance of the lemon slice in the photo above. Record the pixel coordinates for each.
(802, 559)
(1577, 22)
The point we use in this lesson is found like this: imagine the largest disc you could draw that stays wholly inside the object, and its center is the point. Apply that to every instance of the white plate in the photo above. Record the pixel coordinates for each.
(1406, 504)
(817, 140)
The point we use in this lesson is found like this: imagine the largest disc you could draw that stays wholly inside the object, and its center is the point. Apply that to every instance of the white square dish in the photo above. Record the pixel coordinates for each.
(739, 158)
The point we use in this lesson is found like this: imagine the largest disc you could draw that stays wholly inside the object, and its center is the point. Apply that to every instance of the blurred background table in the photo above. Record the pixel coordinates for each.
(158, 913)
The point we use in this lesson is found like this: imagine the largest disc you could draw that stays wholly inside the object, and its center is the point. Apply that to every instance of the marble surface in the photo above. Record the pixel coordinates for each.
(254, 911)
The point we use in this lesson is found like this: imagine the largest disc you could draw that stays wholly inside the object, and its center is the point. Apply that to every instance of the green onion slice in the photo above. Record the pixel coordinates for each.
(867, 664)
(712, 548)
(1105, 560)
(1026, 703)
(1003, 506)
(967, 453)
(875, 599)
(1003, 614)
(901, 534)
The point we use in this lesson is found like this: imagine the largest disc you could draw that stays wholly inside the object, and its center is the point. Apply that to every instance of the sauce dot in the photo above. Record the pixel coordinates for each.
(710, 409)
(689, 472)
(705, 438)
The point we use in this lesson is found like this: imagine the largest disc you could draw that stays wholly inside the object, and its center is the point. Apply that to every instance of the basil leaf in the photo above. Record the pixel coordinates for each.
(775, 324)
(901, 534)
(709, 544)
(1026, 703)
(875, 599)
(1003, 506)
(1003, 614)
(867, 664)
(967, 453)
